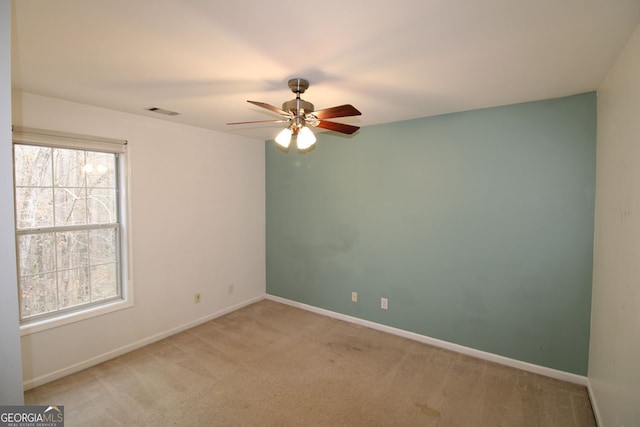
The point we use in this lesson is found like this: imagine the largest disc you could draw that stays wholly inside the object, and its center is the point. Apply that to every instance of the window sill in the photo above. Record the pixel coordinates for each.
(43, 325)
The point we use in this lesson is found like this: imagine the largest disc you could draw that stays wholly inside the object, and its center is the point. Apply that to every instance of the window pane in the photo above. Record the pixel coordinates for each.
(76, 265)
(68, 168)
(32, 166)
(73, 287)
(72, 249)
(70, 208)
(103, 246)
(38, 294)
(34, 207)
(36, 254)
(100, 170)
(101, 205)
(104, 282)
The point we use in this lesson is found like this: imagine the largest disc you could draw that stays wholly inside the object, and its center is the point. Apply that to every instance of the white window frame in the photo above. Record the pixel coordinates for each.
(48, 138)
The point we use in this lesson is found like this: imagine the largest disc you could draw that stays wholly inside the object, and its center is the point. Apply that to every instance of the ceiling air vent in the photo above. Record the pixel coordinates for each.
(162, 111)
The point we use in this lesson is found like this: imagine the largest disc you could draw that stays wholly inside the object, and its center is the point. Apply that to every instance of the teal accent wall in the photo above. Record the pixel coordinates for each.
(477, 226)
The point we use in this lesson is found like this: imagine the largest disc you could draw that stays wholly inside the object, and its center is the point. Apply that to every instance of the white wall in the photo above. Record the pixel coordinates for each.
(198, 223)
(10, 367)
(614, 359)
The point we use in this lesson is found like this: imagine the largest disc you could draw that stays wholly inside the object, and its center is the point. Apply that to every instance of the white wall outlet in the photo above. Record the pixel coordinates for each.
(231, 288)
(197, 298)
(354, 297)
(384, 303)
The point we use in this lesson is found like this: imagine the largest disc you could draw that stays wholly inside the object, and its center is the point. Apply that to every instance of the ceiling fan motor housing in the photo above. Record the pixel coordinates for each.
(297, 105)
(298, 108)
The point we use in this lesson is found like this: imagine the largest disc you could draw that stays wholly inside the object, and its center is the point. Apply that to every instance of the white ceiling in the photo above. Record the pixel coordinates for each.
(393, 60)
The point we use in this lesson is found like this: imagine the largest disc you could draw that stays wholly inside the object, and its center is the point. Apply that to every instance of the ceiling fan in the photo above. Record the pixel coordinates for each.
(300, 114)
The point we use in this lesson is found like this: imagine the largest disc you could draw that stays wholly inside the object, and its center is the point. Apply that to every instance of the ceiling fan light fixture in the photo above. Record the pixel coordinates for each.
(306, 138)
(283, 138)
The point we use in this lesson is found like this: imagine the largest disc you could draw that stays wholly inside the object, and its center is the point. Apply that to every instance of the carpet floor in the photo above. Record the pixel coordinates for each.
(269, 364)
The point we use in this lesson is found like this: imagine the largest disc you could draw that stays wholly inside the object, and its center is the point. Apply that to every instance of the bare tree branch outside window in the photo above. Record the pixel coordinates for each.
(67, 228)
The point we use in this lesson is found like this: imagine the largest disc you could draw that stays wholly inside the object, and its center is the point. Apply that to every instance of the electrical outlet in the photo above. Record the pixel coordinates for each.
(354, 297)
(197, 299)
(384, 303)
(232, 287)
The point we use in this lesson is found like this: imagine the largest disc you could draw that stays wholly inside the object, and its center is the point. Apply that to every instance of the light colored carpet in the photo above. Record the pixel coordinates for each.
(270, 364)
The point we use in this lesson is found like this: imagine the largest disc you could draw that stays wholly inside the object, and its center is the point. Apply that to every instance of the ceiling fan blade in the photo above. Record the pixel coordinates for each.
(345, 110)
(338, 127)
(270, 107)
(258, 121)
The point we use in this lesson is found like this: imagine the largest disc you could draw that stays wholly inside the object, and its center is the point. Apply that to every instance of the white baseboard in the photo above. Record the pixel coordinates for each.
(594, 404)
(525, 366)
(553, 373)
(52, 376)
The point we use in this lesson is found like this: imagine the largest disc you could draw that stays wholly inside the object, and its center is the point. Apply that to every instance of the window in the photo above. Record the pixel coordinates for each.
(69, 202)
